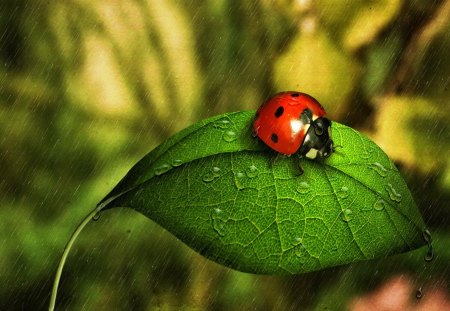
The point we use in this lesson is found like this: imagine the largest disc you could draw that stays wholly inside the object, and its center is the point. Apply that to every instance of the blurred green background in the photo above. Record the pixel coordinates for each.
(88, 87)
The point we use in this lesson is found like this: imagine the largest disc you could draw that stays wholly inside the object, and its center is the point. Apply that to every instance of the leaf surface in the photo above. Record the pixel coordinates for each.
(229, 197)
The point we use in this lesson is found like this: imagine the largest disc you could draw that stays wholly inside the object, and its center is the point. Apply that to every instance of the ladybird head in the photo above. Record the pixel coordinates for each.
(318, 143)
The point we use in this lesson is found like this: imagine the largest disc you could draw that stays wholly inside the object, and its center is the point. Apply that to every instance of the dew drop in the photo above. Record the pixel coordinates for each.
(346, 215)
(380, 169)
(379, 205)
(229, 136)
(162, 169)
(343, 192)
(177, 162)
(364, 155)
(219, 226)
(252, 171)
(208, 177)
(222, 123)
(239, 175)
(300, 251)
(419, 293)
(393, 194)
(216, 171)
(96, 216)
(217, 211)
(303, 187)
(297, 240)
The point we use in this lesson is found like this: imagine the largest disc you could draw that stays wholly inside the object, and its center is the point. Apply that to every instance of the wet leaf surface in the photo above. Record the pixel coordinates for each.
(224, 194)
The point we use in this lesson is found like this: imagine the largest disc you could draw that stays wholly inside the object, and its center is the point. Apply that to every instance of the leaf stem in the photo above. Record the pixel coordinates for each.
(69, 244)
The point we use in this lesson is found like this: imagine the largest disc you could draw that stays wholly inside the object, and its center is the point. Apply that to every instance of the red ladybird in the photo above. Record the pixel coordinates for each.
(294, 122)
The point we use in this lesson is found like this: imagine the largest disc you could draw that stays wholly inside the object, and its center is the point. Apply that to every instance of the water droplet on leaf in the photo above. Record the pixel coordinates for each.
(208, 177)
(96, 216)
(303, 187)
(162, 169)
(177, 162)
(379, 205)
(346, 215)
(216, 171)
(252, 171)
(393, 194)
(343, 192)
(219, 226)
(239, 175)
(380, 169)
(229, 136)
(222, 123)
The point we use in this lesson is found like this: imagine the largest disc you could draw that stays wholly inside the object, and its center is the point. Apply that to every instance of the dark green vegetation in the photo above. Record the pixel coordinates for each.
(87, 88)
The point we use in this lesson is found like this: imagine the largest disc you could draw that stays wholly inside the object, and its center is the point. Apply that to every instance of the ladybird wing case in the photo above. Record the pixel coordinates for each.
(278, 123)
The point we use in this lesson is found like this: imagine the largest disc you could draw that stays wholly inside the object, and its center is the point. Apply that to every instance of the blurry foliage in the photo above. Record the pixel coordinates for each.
(88, 87)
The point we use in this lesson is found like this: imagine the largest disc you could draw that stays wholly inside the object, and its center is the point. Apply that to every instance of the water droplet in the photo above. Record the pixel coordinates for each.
(208, 177)
(419, 293)
(219, 226)
(96, 216)
(393, 194)
(364, 155)
(216, 171)
(229, 136)
(429, 256)
(303, 187)
(346, 215)
(380, 169)
(379, 205)
(239, 175)
(217, 210)
(177, 162)
(300, 251)
(222, 123)
(162, 169)
(212, 174)
(343, 192)
(252, 171)
(297, 240)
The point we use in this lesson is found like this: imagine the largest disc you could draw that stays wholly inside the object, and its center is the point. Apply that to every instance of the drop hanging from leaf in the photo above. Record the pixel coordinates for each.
(216, 188)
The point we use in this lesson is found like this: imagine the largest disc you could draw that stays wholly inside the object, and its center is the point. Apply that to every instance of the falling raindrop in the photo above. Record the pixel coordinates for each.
(419, 293)
(393, 194)
(303, 187)
(229, 136)
(162, 169)
(429, 256)
(380, 169)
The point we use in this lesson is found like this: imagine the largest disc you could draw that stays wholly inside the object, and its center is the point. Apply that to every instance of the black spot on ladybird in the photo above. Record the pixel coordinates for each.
(274, 138)
(295, 94)
(279, 112)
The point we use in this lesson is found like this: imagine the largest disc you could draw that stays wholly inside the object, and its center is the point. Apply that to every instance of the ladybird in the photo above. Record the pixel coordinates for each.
(294, 122)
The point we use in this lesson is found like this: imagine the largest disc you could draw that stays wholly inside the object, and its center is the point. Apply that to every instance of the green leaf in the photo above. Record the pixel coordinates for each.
(226, 195)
